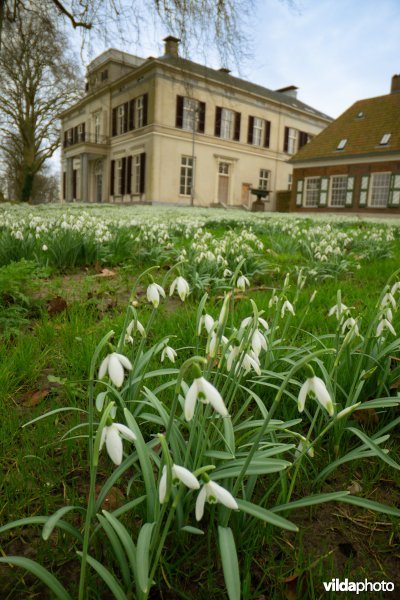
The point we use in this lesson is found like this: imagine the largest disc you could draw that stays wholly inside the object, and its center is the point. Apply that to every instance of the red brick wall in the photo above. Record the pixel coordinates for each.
(356, 170)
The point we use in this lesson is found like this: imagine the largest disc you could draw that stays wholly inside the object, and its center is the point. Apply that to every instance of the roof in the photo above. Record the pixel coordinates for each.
(221, 76)
(112, 54)
(363, 125)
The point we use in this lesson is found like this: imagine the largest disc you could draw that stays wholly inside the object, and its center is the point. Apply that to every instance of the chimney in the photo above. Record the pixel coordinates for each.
(225, 70)
(171, 46)
(395, 84)
(290, 90)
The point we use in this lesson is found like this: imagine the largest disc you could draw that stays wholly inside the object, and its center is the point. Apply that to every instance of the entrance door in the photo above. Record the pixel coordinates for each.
(223, 182)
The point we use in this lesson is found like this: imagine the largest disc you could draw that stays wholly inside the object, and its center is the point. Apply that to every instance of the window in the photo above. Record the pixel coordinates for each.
(227, 124)
(104, 75)
(338, 191)
(259, 132)
(223, 168)
(190, 114)
(341, 144)
(290, 141)
(121, 119)
(136, 174)
(227, 119)
(96, 118)
(312, 191)
(263, 183)
(138, 121)
(304, 138)
(385, 139)
(379, 190)
(185, 187)
(119, 177)
(289, 181)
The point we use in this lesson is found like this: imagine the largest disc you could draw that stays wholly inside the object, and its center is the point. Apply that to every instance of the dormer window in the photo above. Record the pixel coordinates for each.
(341, 144)
(385, 139)
(360, 115)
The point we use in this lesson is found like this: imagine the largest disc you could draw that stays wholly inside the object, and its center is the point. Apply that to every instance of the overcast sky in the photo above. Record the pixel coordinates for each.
(334, 51)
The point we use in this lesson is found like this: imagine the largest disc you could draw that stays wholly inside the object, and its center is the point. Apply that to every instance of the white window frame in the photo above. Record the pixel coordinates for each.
(118, 178)
(310, 192)
(139, 104)
(292, 140)
(258, 131)
(290, 181)
(121, 118)
(186, 176)
(97, 126)
(341, 144)
(227, 123)
(385, 139)
(376, 187)
(136, 163)
(190, 114)
(264, 179)
(338, 191)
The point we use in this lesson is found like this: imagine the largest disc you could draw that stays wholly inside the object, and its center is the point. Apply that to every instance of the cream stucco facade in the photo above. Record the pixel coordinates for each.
(171, 131)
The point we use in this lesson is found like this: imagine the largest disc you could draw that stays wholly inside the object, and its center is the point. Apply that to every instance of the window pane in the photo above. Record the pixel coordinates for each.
(338, 190)
(313, 186)
(380, 190)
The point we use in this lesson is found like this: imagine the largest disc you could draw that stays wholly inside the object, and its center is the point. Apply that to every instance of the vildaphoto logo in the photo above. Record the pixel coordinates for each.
(358, 586)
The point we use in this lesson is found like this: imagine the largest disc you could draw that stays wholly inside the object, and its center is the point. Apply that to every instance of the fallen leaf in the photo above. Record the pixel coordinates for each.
(35, 398)
(113, 499)
(56, 305)
(367, 417)
(106, 273)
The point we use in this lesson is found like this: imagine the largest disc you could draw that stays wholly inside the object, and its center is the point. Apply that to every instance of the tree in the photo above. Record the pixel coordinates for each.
(202, 23)
(37, 81)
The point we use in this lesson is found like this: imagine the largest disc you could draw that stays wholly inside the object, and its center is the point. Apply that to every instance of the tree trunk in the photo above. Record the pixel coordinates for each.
(27, 186)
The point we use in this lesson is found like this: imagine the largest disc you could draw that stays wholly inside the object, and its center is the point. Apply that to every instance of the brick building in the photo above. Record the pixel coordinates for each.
(354, 164)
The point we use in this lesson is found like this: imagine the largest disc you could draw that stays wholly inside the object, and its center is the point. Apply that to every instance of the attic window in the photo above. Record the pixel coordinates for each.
(341, 144)
(360, 115)
(385, 139)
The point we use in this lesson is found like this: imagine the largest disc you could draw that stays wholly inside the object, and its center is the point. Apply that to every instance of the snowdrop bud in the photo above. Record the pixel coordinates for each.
(347, 411)
(242, 282)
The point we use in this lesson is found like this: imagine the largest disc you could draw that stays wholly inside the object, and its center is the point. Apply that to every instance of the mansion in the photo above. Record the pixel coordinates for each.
(168, 130)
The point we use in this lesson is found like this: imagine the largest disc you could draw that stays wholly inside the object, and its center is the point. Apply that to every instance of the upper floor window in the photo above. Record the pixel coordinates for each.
(97, 128)
(312, 191)
(121, 119)
(379, 190)
(258, 132)
(385, 139)
(263, 183)
(130, 115)
(190, 114)
(290, 140)
(104, 75)
(227, 124)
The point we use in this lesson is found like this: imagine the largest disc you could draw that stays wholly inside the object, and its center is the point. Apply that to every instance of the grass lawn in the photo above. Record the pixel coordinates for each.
(63, 288)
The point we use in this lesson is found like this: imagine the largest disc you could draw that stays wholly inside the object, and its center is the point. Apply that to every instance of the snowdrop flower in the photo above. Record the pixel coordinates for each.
(207, 322)
(112, 435)
(338, 310)
(387, 313)
(213, 493)
(154, 291)
(287, 306)
(203, 390)
(305, 444)
(351, 324)
(134, 326)
(115, 364)
(312, 298)
(231, 356)
(258, 342)
(246, 322)
(388, 299)
(169, 353)
(44, 248)
(317, 387)
(250, 361)
(227, 273)
(179, 474)
(395, 287)
(213, 344)
(182, 287)
(384, 324)
(242, 282)
(273, 300)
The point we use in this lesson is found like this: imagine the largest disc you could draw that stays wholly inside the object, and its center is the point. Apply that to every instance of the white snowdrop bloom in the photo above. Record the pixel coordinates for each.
(338, 310)
(115, 364)
(350, 323)
(203, 390)
(207, 322)
(231, 356)
(179, 475)
(302, 444)
(395, 288)
(227, 273)
(154, 291)
(384, 324)
(250, 361)
(273, 300)
(317, 388)
(258, 342)
(312, 298)
(213, 344)
(387, 313)
(44, 248)
(248, 320)
(168, 352)
(242, 282)
(134, 325)
(213, 493)
(182, 287)
(112, 435)
(287, 306)
(388, 299)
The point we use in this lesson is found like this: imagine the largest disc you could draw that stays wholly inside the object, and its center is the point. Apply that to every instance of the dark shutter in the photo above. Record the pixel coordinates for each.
(303, 139)
(267, 133)
(123, 177)
(236, 134)
(114, 122)
(145, 109)
(286, 140)
(74, 179)
(202, 117)
(64, 185)
(129, 176)
(142, 185)
(83, 131)
(75, 134)
(179, 112)
(65, 139)
(131, 115)
(218, 117)
(126, 111)
(112, 176)
(250, 130)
